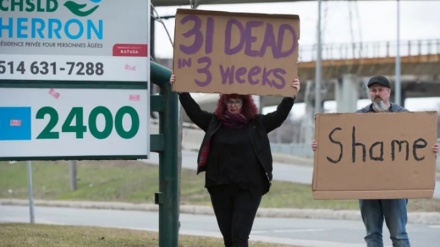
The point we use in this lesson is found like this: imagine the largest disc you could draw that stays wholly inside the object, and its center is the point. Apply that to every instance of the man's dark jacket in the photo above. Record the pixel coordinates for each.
(393, 108)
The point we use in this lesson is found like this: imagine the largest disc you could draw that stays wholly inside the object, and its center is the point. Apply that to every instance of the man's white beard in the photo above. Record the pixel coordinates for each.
(379, 105)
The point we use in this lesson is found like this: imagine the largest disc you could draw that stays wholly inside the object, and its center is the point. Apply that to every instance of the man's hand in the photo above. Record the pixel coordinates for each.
(314, 145)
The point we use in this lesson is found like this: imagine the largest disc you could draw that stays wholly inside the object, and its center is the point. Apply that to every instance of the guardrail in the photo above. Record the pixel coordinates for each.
(295, 149)
(378, 49)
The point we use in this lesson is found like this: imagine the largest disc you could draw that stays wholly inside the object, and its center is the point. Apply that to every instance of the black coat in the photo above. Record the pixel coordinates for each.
(256, 129)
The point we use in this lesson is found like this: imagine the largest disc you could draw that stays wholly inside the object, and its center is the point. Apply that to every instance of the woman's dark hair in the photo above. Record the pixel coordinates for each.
(248, 108)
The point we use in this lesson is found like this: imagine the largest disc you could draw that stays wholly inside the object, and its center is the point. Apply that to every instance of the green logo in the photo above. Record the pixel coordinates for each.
(81, 9)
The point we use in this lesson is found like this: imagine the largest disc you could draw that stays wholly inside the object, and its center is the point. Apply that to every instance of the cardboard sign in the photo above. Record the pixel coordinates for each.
(244, 53)
(375, 155)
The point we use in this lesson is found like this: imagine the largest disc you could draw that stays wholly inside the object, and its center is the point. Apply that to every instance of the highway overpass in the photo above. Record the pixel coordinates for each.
(420, 73)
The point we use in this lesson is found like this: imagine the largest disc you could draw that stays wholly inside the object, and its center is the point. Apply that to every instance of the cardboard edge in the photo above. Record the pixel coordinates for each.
(315, 155)
(226, 13)
(385, 194)
(212, 92)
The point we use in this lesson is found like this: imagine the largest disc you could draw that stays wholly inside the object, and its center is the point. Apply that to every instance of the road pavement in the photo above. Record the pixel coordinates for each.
(277, 230)
(286, 168)
(304, 227)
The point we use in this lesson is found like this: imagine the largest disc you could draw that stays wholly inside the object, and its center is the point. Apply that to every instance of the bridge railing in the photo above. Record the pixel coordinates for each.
(378, 49)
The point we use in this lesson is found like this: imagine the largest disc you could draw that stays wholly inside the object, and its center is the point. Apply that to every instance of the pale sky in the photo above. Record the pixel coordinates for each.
(342, 21)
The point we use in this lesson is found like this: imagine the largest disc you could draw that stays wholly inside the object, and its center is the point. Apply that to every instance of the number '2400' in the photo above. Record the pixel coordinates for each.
(75, 122)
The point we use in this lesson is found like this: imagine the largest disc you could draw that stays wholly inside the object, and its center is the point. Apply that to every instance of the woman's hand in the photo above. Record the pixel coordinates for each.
(172, 79)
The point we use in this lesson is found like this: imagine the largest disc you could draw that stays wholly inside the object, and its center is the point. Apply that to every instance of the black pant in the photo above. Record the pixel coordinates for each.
(235, 210)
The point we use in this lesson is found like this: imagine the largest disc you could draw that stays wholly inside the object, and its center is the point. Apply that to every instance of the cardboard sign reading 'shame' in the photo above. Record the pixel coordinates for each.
(375, 155)
(245, 53)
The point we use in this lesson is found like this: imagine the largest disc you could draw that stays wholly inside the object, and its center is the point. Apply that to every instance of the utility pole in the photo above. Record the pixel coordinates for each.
(397, 77)
(318, 64)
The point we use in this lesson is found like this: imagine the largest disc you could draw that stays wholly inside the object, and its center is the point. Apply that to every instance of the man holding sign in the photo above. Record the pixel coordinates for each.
(394, 211)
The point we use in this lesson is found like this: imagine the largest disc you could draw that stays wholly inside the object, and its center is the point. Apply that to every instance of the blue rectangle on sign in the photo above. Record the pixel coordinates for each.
(15, 123)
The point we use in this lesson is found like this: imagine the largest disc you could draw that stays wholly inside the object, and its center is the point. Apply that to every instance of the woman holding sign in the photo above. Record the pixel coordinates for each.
(235, 154)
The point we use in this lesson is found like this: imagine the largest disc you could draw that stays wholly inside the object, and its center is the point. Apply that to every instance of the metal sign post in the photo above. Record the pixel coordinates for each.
(166, 144)
(31, 193)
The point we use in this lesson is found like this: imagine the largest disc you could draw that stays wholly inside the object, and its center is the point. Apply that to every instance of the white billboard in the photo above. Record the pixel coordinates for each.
(74, 78)
(50, 123)
(77, 40)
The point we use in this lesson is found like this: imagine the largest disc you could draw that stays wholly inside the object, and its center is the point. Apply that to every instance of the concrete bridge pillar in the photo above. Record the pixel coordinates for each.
(347, 94)
(308, 123)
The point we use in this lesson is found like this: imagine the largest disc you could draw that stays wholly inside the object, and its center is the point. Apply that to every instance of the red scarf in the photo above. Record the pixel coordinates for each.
(232, 120)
